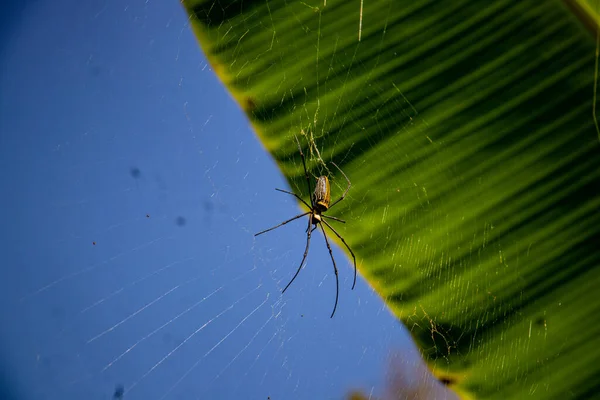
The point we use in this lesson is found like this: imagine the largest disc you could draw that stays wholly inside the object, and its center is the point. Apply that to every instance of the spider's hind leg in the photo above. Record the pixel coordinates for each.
(348, 247)
(312, 230)
(337, 283)
(309, 232)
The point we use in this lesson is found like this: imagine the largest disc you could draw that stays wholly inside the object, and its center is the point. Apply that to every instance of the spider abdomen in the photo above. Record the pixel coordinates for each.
(321, 195)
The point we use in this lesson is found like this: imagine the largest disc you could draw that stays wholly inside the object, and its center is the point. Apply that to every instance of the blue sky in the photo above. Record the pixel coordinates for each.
(132, 187)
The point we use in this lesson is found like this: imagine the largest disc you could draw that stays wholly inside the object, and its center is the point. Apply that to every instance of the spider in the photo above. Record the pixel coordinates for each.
(319, 203)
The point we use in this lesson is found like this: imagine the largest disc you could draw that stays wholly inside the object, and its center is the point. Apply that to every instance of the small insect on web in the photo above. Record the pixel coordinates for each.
(319, 203)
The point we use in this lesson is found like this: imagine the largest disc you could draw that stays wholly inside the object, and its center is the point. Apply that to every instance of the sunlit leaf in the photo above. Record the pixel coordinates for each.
(466, 129)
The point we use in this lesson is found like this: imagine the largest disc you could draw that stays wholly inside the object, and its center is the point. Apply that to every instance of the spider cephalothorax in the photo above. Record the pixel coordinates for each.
(319, 203)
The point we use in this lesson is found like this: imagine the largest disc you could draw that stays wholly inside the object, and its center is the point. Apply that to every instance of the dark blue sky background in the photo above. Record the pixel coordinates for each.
(132, 186)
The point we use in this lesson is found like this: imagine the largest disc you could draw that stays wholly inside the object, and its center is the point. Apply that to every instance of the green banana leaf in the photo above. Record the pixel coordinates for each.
(466, 129)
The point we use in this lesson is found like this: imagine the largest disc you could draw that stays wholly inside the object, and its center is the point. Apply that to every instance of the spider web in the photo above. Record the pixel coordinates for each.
(134, 272)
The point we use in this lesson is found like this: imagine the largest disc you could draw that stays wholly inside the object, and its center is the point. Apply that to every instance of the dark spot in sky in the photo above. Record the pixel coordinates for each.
(7, 388)
(93, 243)
(147, 215)
(119, 392)
(135, 172)
(180, 221)
(58, 313)
(447, 380)
(96, 70)
(51, 365)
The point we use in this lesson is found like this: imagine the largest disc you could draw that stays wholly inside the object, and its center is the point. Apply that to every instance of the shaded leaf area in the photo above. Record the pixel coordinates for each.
(466, 129)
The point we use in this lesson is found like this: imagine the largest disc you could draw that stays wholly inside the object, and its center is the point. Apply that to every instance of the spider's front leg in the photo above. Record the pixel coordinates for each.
(283, 223)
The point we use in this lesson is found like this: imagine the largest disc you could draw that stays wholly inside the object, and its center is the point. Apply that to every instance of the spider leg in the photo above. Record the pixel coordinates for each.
(294, 194)
(348, 247)
(333, 218)
(337, 284)
(305, 171)
(312, 230)
(346, 191)
(308, 233)
(283, 223)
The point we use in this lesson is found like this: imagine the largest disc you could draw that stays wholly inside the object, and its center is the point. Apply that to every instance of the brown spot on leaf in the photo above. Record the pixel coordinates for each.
(249, 105)
(447, 380)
